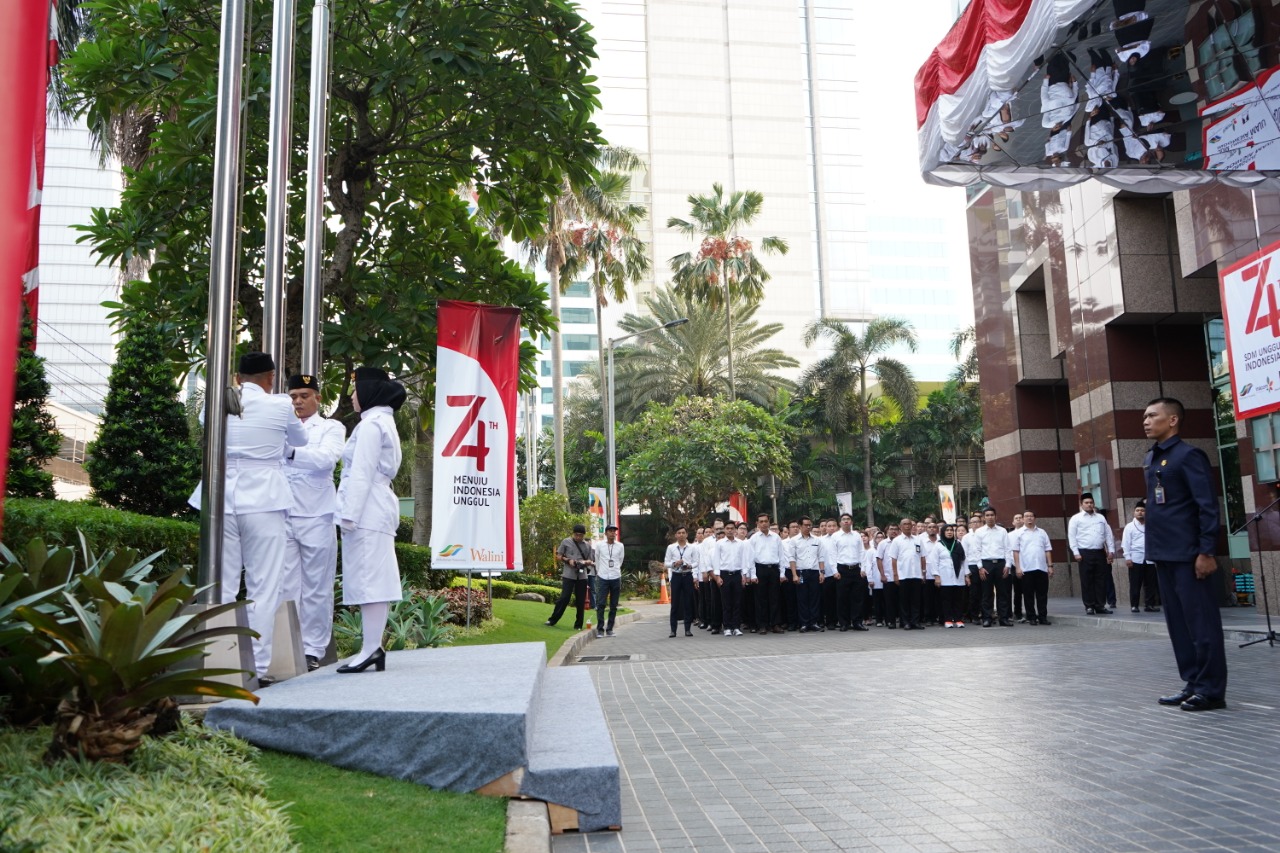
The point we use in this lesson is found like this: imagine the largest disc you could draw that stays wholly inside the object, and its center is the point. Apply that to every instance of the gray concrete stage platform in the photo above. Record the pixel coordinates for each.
(482, 718)
(1239, 624)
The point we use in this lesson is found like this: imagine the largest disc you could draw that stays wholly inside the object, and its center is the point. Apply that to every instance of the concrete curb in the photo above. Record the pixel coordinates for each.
(528, 827)
(1151, 627)
(579, 641)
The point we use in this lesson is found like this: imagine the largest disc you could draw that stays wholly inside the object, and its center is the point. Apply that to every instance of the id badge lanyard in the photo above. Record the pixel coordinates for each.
(1159, 489)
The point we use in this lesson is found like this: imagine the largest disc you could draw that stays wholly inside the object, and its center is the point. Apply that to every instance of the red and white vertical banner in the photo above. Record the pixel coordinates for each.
(737, 507)
(1250, 292)
(475, 516)
(26, 52)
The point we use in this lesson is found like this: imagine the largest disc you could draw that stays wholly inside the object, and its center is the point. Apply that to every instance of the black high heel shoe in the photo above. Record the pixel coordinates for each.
(378, 660)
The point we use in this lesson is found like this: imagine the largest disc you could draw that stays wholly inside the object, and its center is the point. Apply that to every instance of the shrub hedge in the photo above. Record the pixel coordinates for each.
(104, 528)
(507, 589)
(192, 790)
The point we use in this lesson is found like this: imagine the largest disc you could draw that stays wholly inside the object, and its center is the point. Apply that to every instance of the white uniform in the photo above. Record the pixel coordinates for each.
(869, 567)
(936, 559)
(256, 502)
(369, 511)
(609, 560)
(904, 558)
(1058, 102)
(311, 549)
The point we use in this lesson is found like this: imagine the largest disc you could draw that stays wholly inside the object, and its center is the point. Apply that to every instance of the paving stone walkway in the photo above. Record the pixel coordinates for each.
(1025, 738)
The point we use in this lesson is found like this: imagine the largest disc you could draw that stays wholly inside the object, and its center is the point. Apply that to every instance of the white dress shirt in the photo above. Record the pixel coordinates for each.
(1058, 102)
(870, 569)
(1033, 547)
(947, 567)
(904, 558)
(883, 564)
(806, 552)
(677, 553)
(310, 471)
(828, 555)
(990, 543)
(847, 548)
(936, 558)
(609, 560)
(767, 548)
(1134, 541)
(370, 460)
(746, 559)
(1090, 530)
(727, 555)
(708, 557)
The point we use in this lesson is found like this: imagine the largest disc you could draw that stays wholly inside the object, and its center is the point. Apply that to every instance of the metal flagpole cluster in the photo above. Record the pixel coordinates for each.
(223, 243)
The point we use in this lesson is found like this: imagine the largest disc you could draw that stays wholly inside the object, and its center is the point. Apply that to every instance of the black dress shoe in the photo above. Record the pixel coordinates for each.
(1005, 623)
(266, 681)
(688, 633)
(1105, 611)
(1199, 702)
(1045, 622)
(986, 623)
(859, 627)
(1177, 698)
(673, 633)
(313, 663)
(1089, 611)
(377, 660)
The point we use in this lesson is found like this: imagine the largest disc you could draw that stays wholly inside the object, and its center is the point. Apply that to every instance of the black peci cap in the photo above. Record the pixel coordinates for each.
(253, 363)
(299, 381)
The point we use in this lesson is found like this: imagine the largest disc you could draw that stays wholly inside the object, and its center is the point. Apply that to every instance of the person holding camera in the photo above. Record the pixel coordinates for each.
(576, 558)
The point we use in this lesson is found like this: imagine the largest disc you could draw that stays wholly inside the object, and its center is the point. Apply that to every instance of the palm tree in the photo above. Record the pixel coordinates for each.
(840, 380)
(964, 349)
(691, 360)
(725, 266)
(573, 205)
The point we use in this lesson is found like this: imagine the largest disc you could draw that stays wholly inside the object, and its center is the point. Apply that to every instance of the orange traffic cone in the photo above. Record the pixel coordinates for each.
(663, 598)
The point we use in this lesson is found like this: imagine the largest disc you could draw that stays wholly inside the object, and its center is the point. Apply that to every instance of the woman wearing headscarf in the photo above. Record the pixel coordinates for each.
(952, 579)
(368, 512)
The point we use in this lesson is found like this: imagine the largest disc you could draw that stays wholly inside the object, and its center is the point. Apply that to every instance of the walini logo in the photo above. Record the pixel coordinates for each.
(449, 551)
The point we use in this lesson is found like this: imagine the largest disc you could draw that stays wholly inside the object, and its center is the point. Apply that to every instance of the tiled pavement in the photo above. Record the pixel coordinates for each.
(1021, 738)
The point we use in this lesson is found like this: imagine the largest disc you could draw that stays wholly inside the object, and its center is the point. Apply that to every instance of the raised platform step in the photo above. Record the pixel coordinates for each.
(572, 762)
(455, 719)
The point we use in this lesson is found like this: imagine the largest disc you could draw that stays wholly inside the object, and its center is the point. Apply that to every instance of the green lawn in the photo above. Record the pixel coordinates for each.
(522, 623)
(335, 809)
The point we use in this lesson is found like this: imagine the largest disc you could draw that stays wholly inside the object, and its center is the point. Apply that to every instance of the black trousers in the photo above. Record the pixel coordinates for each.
(576, 588)
(828, 602)
(748, 605)
(1094, 574)
(1142, 576)
(731, 599)
(791, 603)
(715, 604)
(1015, 583)
(768, 597)
(681, 599)
(877, 605)
(1035, 595)
(996, 590)
(952, 603)
(929, 603)
(851, 589)
(973, 596)
(891, 614)
(911, 595)
(809, 597)
(1195, 627)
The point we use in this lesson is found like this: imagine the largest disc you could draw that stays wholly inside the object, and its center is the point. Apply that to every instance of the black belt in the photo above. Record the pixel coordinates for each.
(767, 565)
(727, 572)
(1093, 550)
(845, 566)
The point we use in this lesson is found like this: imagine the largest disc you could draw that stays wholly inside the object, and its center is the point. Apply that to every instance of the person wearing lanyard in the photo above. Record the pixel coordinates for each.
(609, 555)
(1182, 535)
(1033, 561)
(953, 577)
(766, 552)
(681, 562)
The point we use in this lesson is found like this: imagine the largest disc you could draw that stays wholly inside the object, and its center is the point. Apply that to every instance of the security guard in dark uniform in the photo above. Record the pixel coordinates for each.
(1182, 532)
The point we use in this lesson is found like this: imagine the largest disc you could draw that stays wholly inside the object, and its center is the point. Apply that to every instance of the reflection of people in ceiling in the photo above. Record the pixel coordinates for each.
(1057, 146)
(1103, 80)
(1140, 142)
(1124, 8)
(1099, 136)
(1059, 93)
(1133, 35)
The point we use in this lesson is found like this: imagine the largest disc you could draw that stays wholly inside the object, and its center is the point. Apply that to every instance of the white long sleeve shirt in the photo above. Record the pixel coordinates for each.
(828, 555)
(1134, 541)
(1090, 530)
(1033, 550)
(767, 548)
(727, 555)
(936, 559)
(904, 558)
(370, 460)
(1058, 102)
(310, 471)
(609, 560)
(680, 558)
(746, 559)
(989, 543)
(883, 560)
(847, 548)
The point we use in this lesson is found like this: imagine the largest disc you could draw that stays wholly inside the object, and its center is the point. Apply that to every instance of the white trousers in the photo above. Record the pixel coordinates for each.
(310, 563)
(255, 541)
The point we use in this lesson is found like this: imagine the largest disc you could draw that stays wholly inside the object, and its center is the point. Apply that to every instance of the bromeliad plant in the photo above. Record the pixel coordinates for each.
(125, 645)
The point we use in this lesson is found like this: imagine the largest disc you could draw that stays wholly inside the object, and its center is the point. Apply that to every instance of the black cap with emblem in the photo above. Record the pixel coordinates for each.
(299, 381)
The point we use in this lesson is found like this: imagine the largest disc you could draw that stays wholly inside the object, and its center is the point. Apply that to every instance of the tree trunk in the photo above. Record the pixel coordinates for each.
(865, 415)
(423, 490)
(728, 329)
(557, 375)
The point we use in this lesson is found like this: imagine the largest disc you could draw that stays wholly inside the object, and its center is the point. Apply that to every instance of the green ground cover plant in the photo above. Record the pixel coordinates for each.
(335, 809)
(192, 790)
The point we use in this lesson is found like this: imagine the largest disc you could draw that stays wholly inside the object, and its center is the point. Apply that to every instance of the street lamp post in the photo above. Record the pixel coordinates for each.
(609, 424)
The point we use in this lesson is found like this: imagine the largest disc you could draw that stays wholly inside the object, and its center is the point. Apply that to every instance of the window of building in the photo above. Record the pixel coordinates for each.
(1266, 446)
(577, 315)
(547, 396)
(575, 368)
(546, 421)
(580, 342)
(1091, 482)
(578, 288)
(546, 367)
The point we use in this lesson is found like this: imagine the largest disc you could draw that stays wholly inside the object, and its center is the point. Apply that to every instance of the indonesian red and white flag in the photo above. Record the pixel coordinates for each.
(475, 516)
(27, 49)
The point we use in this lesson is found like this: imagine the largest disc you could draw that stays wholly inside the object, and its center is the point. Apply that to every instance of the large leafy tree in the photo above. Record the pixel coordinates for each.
(678, 461)
(692, 359)
(143, 459)
(35, 438)
(426, 98)
(554, 247)
(850, 403)
(725, 266)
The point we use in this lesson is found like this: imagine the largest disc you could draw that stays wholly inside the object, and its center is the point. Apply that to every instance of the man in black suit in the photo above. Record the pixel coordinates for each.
(1182, 532)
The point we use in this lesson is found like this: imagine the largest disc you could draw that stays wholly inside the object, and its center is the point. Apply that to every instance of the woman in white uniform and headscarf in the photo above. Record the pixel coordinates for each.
(368, 512)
